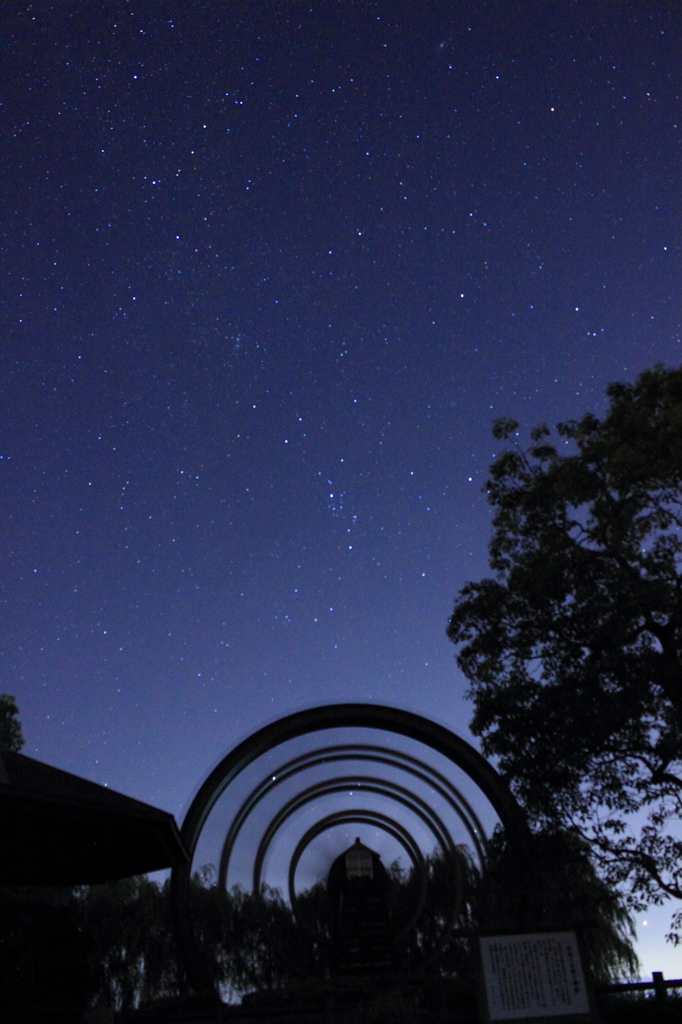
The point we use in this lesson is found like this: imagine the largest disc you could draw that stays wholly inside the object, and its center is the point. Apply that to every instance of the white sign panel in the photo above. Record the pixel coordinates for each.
(533, 975)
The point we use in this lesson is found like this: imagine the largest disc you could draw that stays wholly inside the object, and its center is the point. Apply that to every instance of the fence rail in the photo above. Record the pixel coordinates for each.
(658, 984)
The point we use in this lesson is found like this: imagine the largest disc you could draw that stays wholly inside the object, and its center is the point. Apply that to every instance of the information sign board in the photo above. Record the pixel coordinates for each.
(532, 976)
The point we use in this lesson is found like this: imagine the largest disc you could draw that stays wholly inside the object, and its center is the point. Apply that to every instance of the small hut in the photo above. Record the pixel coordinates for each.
(357, 889)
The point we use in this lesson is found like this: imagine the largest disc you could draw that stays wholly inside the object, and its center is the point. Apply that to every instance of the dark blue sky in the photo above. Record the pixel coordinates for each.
(269, 272)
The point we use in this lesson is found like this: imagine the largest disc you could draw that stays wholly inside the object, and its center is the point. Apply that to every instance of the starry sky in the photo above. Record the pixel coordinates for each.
(269, 272)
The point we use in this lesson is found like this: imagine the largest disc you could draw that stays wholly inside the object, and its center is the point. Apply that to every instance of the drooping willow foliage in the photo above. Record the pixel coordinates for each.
(117, 939)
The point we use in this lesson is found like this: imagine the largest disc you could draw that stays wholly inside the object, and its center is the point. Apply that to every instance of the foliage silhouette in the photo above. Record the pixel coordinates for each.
(574, 649)
(115, 941)
(130, 940)
(45, 967)
(557, 887)
(11, 738)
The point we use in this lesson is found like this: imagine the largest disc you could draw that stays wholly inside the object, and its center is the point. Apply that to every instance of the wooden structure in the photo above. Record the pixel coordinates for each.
(59, 829)
(357, 890)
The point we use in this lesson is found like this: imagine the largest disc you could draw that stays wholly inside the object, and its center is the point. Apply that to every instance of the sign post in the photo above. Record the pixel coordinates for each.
(534, 977)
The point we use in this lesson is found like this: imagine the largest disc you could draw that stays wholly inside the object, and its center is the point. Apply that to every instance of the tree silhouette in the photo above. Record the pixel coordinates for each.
(11, 738)
(574, 648)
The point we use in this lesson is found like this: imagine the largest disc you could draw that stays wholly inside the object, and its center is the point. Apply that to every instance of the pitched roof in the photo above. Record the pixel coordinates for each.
(60, 829)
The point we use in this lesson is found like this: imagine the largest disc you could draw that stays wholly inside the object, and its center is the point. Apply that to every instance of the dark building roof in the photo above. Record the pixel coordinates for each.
(60, 829)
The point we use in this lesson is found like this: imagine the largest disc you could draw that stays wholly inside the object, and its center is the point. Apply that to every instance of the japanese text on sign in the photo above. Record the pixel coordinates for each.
(533, 976)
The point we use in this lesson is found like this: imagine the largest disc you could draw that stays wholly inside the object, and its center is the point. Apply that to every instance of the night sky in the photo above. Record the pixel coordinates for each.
(269, 272)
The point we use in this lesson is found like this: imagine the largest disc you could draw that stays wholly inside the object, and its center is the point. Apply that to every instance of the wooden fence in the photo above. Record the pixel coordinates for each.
(659, 985)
